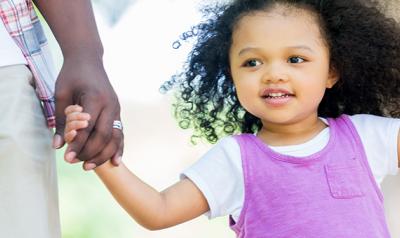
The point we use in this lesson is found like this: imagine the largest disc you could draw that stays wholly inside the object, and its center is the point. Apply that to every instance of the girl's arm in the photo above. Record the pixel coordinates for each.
(154, 210)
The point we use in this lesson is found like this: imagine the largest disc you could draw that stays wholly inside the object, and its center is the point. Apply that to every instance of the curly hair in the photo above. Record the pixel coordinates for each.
(364, 47)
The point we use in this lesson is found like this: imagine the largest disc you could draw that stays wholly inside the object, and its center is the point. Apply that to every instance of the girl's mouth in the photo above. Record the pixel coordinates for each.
(277, 97)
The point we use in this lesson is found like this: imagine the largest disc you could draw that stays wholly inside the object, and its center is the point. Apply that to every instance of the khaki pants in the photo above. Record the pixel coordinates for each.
(28, 180)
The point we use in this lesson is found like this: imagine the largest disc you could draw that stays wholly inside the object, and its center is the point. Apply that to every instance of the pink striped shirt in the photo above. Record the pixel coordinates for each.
(23, 25)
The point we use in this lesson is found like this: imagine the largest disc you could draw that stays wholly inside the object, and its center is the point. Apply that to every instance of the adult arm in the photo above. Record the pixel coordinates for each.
(83, 80)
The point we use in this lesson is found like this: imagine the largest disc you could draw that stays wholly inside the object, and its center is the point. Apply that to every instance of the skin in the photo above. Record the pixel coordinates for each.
(183, 201)
(83, 80)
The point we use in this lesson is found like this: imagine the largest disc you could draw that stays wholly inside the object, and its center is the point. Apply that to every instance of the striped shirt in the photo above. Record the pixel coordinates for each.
(23, 25)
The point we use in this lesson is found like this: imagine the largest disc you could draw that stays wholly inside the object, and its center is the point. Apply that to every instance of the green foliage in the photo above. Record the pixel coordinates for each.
(87, 210)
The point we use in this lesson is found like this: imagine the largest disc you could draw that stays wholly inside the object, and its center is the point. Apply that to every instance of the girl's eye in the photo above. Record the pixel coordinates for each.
(252, 63)
(295, 60)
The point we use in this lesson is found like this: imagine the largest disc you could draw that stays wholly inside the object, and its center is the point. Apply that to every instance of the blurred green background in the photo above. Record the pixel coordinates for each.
(86, 208)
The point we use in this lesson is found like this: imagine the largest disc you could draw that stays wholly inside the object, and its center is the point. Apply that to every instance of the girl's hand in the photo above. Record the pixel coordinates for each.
(75, 120)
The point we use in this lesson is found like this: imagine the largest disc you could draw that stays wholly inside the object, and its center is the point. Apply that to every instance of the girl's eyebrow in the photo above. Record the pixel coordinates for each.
(301, 47)
(247, 49)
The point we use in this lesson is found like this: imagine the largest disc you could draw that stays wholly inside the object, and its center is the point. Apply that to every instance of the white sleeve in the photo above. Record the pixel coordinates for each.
(379, 136)
(218, 174)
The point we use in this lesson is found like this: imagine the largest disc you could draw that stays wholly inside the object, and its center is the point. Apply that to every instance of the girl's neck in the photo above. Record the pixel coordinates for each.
(291, 134)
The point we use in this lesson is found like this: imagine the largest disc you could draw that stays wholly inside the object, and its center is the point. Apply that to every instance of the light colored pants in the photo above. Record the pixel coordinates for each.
(28, 179)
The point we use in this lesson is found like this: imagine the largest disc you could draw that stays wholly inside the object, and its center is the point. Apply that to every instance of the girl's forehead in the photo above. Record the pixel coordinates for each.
(282, 15)
(278, 27)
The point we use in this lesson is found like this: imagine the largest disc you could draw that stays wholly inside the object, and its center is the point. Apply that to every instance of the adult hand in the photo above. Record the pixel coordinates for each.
(84, 81)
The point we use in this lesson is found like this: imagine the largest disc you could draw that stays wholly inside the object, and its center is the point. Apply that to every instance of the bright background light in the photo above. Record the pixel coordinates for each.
(139, 53)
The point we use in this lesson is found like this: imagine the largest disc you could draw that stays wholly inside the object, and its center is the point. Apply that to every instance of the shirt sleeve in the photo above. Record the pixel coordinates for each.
(379, 136)
(218, 174)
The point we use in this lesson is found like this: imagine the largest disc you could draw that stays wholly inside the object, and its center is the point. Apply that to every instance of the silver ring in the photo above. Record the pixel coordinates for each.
(117, 125)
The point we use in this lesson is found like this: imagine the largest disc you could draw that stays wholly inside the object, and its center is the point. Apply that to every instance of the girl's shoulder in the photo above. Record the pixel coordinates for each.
(372, 127)
(379, 136)
(226, 142)
(368, 121)
(228, 146)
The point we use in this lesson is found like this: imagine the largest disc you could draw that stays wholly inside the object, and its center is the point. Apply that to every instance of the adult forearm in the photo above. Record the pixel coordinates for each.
(142, 202)
(72, 23)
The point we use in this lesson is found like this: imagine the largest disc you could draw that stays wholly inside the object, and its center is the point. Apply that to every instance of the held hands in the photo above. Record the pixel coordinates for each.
(76, 120)
(97, 142)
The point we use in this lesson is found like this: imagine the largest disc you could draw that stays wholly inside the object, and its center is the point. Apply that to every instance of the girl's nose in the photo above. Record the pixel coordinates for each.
(275, 73)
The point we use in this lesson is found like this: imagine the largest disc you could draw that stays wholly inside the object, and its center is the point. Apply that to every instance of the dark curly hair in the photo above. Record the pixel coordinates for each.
(364, 47)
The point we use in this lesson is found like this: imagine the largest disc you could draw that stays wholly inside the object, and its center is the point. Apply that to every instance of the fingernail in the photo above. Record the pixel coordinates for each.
(90, 166)
(74, 161)
(118, 160)
(57, 141)
(70, 156)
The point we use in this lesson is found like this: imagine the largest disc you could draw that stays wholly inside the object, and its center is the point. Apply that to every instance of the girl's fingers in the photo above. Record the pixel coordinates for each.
(75, 125)
(73, 108)
(78, 116)
(69, 136)
(75, 120)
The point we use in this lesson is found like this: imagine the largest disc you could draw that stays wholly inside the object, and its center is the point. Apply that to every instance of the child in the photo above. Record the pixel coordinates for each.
(278, 80)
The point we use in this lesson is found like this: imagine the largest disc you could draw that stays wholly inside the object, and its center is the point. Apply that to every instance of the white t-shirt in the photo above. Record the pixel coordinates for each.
(10, 54)
(219, 174)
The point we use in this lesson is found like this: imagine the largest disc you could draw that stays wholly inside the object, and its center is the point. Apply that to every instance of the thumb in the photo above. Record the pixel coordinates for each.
(58, 141)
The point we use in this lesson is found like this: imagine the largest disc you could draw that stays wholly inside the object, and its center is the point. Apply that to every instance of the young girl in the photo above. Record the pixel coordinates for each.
(295, 90)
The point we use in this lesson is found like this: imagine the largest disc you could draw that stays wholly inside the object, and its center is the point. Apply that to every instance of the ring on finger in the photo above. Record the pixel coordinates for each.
(117, 125)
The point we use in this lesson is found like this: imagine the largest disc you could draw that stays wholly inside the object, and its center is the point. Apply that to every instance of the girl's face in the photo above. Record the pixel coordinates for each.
(280, 65)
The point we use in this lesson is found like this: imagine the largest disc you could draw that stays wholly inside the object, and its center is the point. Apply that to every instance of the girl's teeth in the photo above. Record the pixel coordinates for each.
(276, 94)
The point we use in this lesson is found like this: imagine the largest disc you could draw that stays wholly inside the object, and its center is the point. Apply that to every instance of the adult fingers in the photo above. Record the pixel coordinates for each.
(117, 158)
(109, 150)
(101, 135)
(70, 156)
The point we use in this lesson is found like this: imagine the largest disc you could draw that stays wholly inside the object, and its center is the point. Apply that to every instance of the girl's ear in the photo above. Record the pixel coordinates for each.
(333, 77)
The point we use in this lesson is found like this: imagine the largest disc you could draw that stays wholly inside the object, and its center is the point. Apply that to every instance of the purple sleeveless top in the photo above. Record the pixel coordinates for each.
(329, 194)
